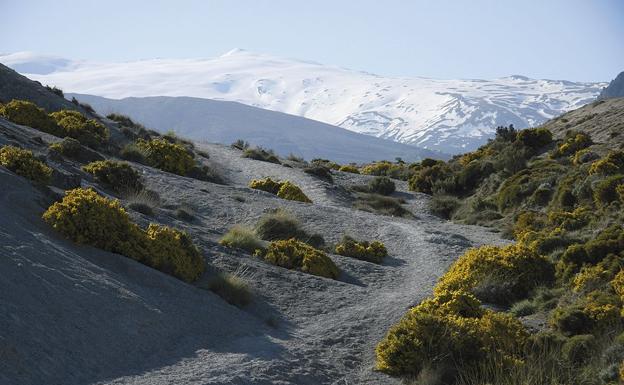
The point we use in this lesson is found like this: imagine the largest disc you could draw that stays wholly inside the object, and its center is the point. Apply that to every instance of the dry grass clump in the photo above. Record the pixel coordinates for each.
(242, 237)
(233, 287)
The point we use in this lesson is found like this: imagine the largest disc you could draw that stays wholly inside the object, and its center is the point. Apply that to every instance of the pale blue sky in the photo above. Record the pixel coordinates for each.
(579, 40)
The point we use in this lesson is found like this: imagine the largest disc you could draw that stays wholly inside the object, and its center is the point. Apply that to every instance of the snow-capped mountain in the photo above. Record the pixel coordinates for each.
(447, 115)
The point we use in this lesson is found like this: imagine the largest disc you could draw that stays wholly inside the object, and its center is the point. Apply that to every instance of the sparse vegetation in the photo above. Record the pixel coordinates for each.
(259, 153)
(23, 163)
(242, 237)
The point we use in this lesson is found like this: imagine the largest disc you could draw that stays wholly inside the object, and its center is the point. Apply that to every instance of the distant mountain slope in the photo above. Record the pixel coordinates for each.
(225, 122)
(448, 115)
(615, 89)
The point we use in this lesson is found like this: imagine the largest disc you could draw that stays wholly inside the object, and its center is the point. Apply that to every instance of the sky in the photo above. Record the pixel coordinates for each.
(578, 40)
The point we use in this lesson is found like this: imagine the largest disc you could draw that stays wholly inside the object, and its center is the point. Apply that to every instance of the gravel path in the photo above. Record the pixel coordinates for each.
(75, 315)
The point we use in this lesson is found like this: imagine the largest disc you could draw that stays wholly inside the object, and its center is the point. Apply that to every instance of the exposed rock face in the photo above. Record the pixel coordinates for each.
(615, 89)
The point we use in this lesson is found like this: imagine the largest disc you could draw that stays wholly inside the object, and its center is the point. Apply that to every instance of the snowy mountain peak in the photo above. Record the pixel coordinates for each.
(447, 115)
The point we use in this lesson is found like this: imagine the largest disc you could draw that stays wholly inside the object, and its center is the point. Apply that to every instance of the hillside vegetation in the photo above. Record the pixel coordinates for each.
(556, 191)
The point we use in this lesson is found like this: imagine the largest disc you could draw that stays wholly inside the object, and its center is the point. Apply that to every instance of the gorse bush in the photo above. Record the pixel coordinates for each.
(535, 138)
(89, 132)
(349, 168)
(449, 332)
(611, 164)
(292, 192)
(498, 274)
(88, 218)
(167, 156)
(573, 142)
(119, 176)
(374, 251)
(294, 254)
(28, 114)
(285, 190)
(23, 163)
(243, 238)
(381, 185)
(71, 148)
(605, 191)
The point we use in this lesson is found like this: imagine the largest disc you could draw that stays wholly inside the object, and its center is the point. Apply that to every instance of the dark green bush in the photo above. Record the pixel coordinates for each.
(577, 349)
(259, 153)
(605, 190)
(320, 172)
(381, 185)
(571, 321)
(535, 138)
(444, 205)
(119, 176)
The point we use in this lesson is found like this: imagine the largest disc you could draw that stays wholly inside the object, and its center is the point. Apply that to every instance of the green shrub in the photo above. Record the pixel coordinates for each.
(243, 238)
(605, 191)
(535, 138)
(380, 204)
(280, 224)
(320, 172)
(374, 251)
(71, 148)
(571, 321)
(85, 217)
(443, 205)
(134, 153)
(349, 168)
(292, 192)
(28, 114)
(381, 185)
(118, 176)
(425, 179)
(266, 184)
(23, 163)
(240, 144)
(89, 132)
(170, 157)
(498, 274)
(294, 254)
(232, 288)
(449, 332)
(259, 153)
(577, 349)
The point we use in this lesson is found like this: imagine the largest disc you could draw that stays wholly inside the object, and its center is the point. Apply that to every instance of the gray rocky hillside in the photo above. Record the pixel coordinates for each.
(74, 314)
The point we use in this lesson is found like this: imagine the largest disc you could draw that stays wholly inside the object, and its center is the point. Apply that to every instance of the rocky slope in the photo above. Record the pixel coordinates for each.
(72, 314)
(615, 89)
(448, 115)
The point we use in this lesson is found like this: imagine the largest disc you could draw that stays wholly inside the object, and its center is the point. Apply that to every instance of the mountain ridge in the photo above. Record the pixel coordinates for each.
(448, 115)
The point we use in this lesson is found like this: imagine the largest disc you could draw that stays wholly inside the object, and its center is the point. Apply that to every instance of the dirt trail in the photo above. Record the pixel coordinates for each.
(75, 315)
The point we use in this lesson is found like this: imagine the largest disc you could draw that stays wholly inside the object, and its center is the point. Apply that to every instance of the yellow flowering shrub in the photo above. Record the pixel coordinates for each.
(285, 190)
(611, 164)
(374, 251)
(266, 184)
(23, 163)
(482, 152)
(573, 142)
(292, 192)
(591, 278)
(349, 168)
(294, 254)
(28, 114)
(449, 330)
(570, 220)
(88, 218)
(497, 274)
(89, 132)
(167, 156)
(119, 176)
